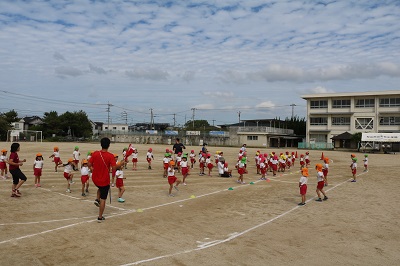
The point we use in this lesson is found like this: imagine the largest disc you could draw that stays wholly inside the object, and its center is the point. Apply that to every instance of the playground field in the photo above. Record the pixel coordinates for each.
(211, 221)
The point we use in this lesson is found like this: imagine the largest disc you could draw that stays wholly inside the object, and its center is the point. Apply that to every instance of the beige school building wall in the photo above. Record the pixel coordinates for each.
(330, 114)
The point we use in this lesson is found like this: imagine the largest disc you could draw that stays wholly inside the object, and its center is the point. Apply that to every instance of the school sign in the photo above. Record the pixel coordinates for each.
(381, 137)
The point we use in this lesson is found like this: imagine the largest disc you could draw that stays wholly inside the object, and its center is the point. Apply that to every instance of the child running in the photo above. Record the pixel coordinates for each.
(75, 155)
(241, 164)
(209, 164)
(303, 185)
(37, 169)
(172, 178)
(56, 158)
(321, 182)
(68, 168)
(120, 182)
(325, 170)
(353, 167)
(365, 163)
(192, 156)
(3, 164)
(149, 157)
(134, 159)
(184, 168)
(85, 172)
(113, 171)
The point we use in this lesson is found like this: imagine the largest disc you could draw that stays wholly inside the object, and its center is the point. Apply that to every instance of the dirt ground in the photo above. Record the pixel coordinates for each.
(205, 223)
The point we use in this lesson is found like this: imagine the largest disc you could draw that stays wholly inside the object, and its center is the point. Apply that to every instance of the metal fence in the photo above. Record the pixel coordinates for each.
(315, 145)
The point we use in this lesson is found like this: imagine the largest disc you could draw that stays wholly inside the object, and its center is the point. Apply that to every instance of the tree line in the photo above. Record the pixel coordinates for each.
(54, 127)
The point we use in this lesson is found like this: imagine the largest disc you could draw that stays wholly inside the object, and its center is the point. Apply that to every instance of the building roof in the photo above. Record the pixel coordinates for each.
(344, 136)
(352, 94)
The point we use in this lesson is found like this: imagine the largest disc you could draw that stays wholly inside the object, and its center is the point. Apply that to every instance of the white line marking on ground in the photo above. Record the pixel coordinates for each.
(232, 236)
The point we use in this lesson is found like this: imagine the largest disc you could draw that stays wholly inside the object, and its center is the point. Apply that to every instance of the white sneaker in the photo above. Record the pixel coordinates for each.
(68, 191)
(184, 184)
(171, 195)
(72, 182)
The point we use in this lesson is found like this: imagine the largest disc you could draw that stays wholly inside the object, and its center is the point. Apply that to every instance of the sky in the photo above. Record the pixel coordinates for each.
(121, 61)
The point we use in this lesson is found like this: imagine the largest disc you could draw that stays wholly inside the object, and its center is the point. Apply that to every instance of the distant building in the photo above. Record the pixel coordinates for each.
(331, 114)
(264, 133)
(30, 121)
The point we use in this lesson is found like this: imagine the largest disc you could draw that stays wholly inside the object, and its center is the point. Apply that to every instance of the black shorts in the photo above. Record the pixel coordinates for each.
(104, 192)
(17, 175)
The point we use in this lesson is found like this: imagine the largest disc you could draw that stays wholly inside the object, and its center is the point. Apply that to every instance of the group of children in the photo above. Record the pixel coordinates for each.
(180, 164)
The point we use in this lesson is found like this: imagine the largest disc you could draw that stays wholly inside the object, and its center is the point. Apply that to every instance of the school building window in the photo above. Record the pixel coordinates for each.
(252, 137)
(318, 121)
(16, 126)
(363, 103)
(123, 128)
(389, 121)
(389, 102)
(319, 104)
(115, 128)
(364, 123)
(340, 103)
(105, 127)
(340, 121)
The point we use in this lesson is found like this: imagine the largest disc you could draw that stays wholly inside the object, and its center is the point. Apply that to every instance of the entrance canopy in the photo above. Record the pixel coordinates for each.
(381, 137)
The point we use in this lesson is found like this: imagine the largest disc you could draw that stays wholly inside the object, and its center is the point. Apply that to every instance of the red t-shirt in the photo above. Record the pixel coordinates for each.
(14, 157)
(101, 167)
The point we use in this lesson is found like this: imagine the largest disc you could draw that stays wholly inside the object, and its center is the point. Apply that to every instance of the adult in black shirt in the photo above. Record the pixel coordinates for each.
(178, 147)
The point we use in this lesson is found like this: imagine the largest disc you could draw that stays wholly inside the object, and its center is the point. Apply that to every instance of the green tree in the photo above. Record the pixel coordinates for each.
(299, 125)
(76, 123)
(198, 125)
(5, 123)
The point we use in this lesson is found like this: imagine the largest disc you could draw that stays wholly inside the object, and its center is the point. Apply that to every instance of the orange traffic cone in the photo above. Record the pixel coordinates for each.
(296, 154)
(322, 156)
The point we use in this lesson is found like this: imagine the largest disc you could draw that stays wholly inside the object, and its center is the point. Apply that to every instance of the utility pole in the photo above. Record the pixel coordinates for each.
(293, 105)
(151, 119)
(239, 116)
(174, 120)
(213, 121)
(125, 117)
(193, 109)
(108, 115)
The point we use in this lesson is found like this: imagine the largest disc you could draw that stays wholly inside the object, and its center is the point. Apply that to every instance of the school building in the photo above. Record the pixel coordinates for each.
(331, 115)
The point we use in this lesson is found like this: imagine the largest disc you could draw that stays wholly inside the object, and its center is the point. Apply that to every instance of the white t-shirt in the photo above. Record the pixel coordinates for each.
(3, 158)
(178, 158)
(149, 155)
(68, 168)
(85, 170)
(135, 155)
(326, 165)
(320, 176)
(56, 154)
(165, 160)
(119, 174)
(365, 161)
(38, 164)
(184, 163)
(171, 171)
(354, 165)
(220, 168)
(192, 155)
(303, 180)
(76, 154)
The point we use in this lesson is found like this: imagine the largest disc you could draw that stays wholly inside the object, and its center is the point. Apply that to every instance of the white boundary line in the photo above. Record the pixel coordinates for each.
(203, 246)
(232, 236)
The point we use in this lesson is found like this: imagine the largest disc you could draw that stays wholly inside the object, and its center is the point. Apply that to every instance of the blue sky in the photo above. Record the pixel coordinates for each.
(220, 57)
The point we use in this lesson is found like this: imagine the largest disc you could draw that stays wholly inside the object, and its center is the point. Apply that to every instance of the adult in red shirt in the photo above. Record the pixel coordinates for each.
(100, 164)
(18, 177)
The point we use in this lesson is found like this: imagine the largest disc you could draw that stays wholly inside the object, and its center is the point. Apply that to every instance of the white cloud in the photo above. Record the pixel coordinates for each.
(202, 51)
(320, 89)
(267, 104)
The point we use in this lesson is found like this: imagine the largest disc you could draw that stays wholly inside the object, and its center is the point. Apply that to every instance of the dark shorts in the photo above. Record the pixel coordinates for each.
(17, 175)
(104, 191)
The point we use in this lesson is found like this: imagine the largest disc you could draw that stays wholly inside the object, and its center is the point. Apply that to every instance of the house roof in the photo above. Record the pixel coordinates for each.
(344, 136)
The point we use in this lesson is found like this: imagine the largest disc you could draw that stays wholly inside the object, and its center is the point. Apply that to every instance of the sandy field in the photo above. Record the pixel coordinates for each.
(206, 223)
